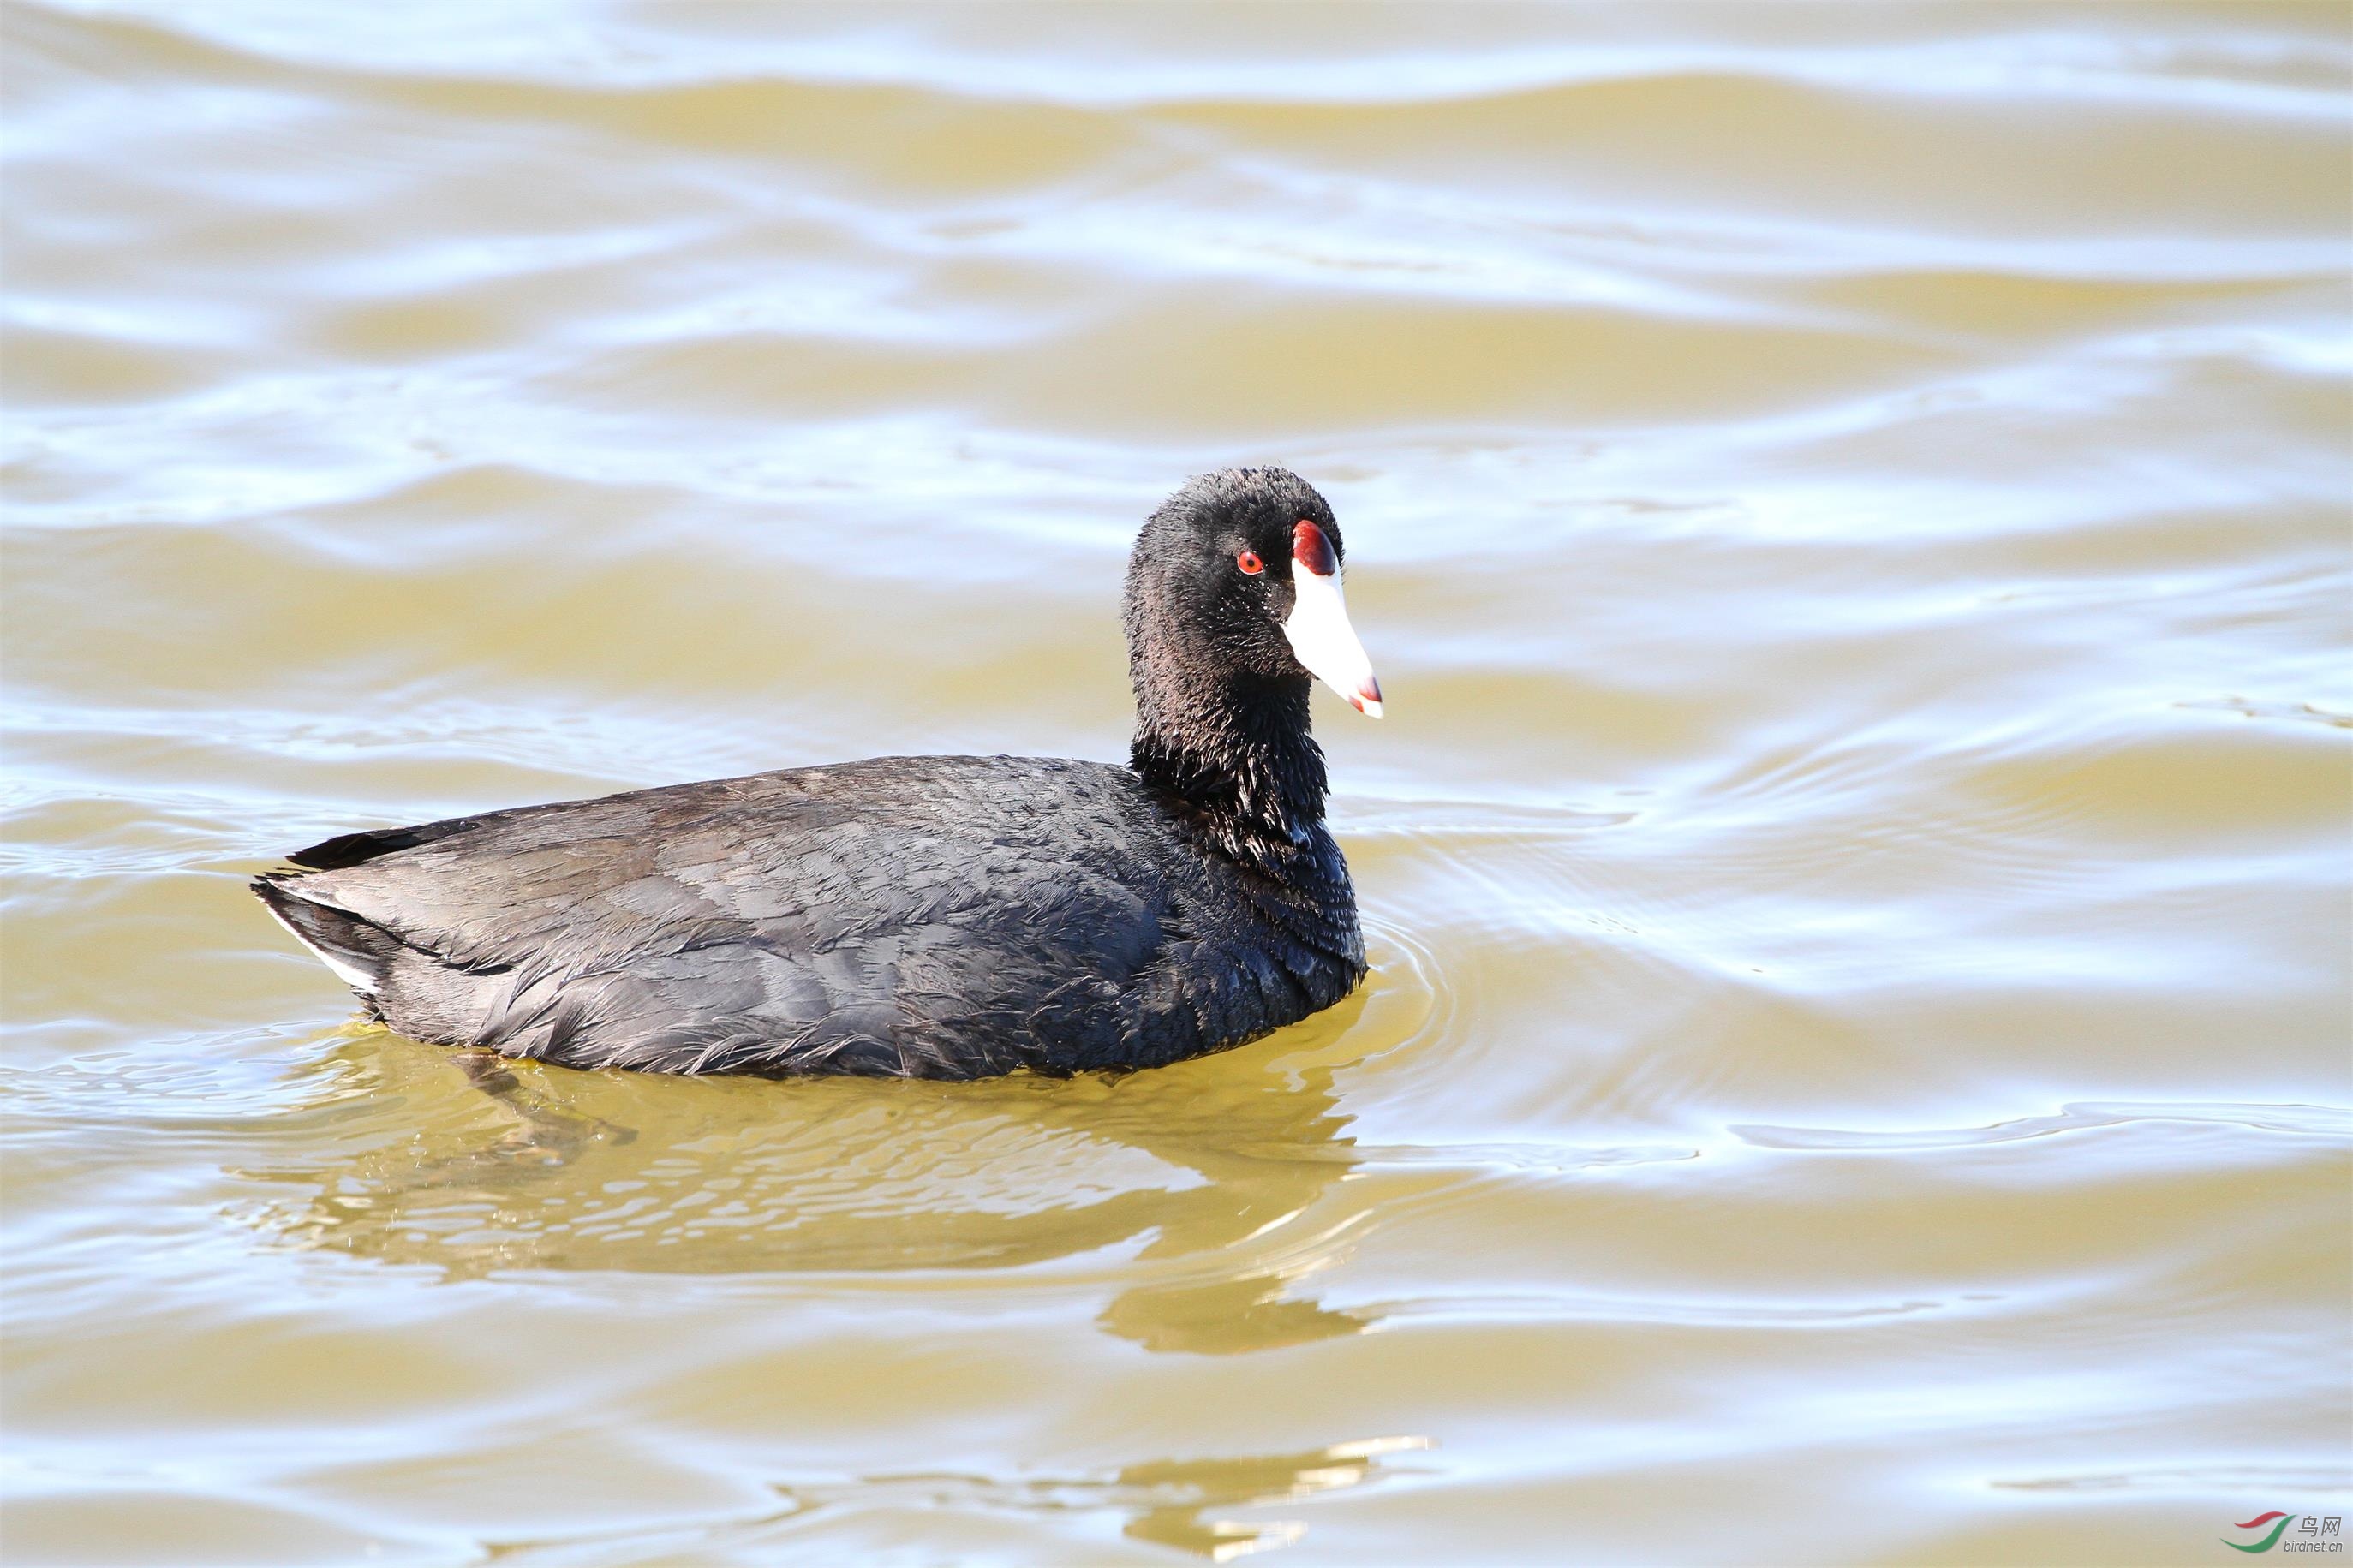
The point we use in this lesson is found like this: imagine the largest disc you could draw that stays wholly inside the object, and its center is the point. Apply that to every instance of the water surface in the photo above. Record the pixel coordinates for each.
(1849, 506)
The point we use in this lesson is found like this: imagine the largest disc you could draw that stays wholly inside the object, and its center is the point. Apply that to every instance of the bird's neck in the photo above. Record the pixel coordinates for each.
(1235, 752)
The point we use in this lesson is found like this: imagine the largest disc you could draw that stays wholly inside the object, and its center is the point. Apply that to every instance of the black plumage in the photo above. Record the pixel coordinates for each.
(932, 917)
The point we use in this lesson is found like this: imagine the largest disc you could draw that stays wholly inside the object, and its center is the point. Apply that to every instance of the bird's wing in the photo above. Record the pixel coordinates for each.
(866, 912)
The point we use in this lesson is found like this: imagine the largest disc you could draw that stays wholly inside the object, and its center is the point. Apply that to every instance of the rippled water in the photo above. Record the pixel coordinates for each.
(1850, 507)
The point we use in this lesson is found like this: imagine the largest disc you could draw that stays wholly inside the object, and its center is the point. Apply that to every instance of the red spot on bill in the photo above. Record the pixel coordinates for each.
(1312, 549)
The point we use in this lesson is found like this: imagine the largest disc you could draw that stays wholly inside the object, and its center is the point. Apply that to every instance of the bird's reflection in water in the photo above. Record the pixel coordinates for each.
(1184, 1491)
(1170, 1502)
(471, 1163)
(1183, 1503)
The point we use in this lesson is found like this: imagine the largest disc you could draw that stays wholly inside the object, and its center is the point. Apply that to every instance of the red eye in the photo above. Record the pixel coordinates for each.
(1249, 563)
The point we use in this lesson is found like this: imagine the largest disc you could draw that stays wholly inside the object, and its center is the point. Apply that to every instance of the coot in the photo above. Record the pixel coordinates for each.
(923, 916)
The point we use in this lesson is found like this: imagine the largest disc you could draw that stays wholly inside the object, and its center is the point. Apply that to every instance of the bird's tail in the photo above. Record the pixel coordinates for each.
(356, 949)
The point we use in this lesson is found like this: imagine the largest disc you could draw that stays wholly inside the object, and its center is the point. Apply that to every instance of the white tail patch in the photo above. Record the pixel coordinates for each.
(359, 979)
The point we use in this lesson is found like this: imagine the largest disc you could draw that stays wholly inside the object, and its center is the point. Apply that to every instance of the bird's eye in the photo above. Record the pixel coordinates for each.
(1249, 563)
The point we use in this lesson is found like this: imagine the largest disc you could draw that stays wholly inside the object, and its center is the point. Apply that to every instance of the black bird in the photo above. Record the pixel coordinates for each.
(923, 916)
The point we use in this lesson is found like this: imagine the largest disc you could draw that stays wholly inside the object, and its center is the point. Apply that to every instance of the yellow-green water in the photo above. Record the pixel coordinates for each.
(1850, 507)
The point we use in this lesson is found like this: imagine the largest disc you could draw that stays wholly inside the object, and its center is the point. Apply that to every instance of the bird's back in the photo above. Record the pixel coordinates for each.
(946, 917)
